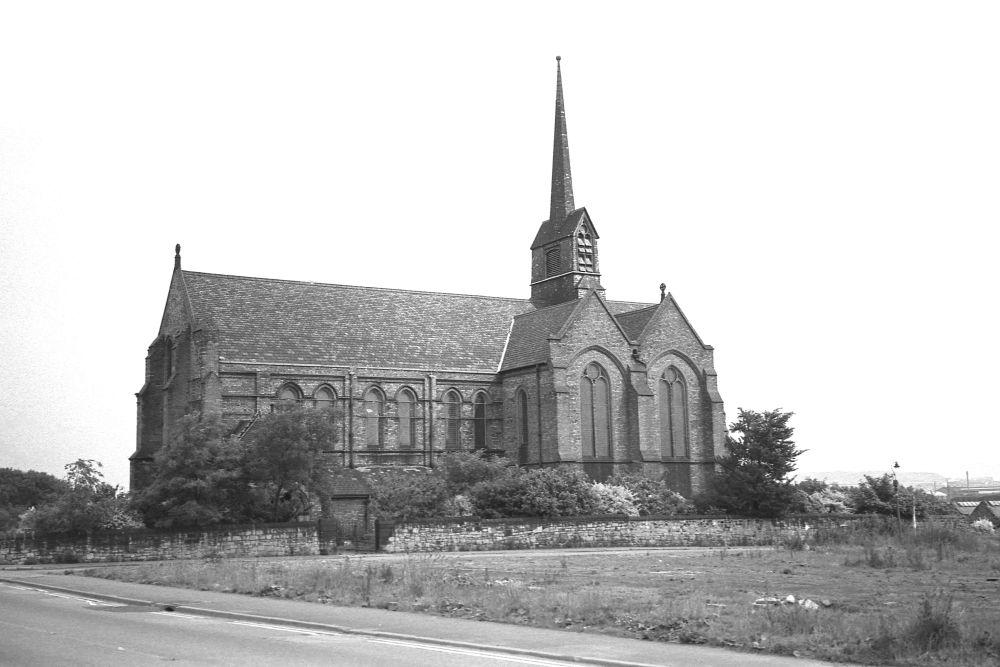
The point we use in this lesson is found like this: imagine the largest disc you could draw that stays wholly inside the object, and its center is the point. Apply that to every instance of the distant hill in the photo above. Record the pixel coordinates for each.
(922, 480)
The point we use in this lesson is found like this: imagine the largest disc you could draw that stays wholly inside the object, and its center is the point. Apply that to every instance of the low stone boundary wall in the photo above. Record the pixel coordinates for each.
(472, 534)
(281, 539)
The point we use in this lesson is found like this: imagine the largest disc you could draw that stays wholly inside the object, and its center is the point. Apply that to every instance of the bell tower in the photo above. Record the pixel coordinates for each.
(564, 263)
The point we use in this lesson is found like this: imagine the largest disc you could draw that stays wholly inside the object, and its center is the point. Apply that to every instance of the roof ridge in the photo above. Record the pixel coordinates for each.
(637, 310)
(364, 287)
(546, 308)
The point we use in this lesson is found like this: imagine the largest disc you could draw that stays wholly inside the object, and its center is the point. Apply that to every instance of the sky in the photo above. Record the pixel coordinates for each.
(815, 182)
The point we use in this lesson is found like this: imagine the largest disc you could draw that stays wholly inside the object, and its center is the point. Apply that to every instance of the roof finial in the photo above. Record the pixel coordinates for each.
(561, 203)
(177, 256)
(663, 291)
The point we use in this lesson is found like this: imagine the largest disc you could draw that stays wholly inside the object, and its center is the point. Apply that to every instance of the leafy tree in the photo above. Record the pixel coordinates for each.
(284, 463)
(879, 495)
(21, 490)
(198, 478)
(753, 476)
(205, 476)
(811, 485)
(89, 503)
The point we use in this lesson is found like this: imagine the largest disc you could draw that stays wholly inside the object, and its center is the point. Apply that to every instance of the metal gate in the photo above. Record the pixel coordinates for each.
(339, 534)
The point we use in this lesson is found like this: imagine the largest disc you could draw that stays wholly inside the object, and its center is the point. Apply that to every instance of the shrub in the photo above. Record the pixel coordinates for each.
(463, 470)
(983, 526)
(542, 492)
(652, 496)
(403, 494)
(612, 499)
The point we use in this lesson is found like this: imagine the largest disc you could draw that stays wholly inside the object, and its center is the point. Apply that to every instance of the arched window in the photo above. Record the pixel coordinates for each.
(479, 419)
(585, 251)
(521, 425)
(288, 398)
(595, 411)
(374, 411)
(325, 398)
(553, 264)
(673, 414)
(453, 420)
(406, 419)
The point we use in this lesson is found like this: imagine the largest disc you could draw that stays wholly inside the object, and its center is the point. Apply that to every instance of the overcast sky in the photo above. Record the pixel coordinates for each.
(816, 183)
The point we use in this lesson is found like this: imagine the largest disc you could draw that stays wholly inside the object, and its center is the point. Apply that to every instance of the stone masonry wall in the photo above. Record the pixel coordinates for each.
(285, 539)
(495, 534)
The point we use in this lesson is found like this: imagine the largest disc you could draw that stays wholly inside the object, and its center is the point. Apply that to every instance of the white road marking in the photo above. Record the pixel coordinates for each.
(455, 650)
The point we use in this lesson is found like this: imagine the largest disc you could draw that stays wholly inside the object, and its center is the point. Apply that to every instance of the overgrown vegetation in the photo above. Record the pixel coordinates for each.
(82, 502)
(942, 612)
(277, 472)
(471, 483)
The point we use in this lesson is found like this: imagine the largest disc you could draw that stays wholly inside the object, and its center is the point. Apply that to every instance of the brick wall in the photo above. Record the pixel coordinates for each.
(285, 539)
(494, 534)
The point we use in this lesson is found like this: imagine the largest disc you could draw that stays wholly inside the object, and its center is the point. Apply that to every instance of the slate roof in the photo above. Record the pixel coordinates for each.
(966, 506)
(633, 322)
(284, 321)
(550, 230)
(529, 337)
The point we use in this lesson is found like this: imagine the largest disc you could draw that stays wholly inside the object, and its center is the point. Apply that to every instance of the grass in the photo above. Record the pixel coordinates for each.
(910, 600)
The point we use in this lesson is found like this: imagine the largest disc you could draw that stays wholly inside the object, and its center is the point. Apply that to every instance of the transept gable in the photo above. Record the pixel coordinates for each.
(668, 328)
(177, 311)
(591, 323)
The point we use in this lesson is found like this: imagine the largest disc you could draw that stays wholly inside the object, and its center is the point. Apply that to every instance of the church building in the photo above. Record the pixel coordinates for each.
(565, 377)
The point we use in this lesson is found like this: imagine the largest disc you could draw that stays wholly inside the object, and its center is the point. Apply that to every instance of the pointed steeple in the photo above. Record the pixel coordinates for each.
(561, 203)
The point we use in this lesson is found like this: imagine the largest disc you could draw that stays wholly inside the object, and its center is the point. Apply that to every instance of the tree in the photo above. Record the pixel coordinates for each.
(87, 503)
(197, 478)
(21, 490)
(284, 464)
(753, 475)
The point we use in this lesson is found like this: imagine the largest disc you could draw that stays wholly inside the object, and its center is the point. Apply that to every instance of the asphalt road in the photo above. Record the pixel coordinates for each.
(46, 628)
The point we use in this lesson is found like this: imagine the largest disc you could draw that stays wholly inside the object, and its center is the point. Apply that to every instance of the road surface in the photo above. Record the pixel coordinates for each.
(46, 628)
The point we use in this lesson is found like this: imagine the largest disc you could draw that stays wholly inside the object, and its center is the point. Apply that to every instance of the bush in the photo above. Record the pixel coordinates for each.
(650, 496)
(983, 526)
(403, 494)
(544, 492)
(463, 470)
(611, 499)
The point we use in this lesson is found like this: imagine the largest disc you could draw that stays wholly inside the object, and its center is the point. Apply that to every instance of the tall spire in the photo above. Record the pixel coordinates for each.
(561, 203)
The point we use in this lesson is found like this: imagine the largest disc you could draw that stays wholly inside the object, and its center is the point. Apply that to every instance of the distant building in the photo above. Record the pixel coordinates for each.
(565, 377)
(987, 509)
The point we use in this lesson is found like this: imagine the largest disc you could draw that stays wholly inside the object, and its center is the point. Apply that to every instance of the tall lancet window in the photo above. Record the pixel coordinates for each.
(453, 420)
(673, 414)
(406, 423)
(374, 411)
(479, 417)
(595, 411)
(585, 251)
(521, 426)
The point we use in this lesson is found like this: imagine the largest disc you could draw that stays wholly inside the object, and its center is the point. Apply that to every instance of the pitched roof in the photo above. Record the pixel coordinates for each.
(634, 321)
(966, 506)
(284, 321)
(529, 336)
(557, 228)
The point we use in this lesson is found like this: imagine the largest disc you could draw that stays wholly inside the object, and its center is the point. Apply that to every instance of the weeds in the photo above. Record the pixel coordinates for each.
(694, 597)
